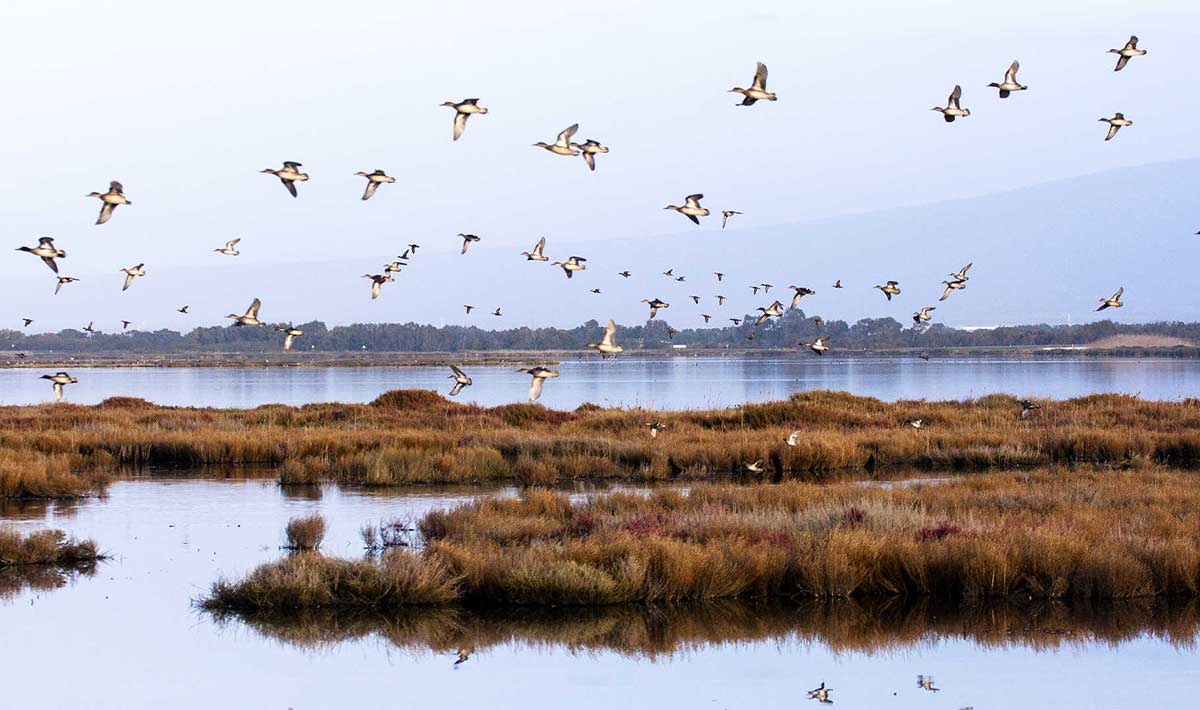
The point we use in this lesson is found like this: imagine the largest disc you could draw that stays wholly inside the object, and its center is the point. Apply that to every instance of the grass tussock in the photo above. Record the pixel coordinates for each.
(414, 437)
(304, 533)
(1074, 534)
(44, 547)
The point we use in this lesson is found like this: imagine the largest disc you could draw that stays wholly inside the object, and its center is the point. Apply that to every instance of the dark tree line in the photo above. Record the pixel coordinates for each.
(795, 327)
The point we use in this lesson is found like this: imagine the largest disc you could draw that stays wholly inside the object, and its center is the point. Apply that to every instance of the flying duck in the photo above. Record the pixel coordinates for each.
(695, 299)
(589, 150)
(655, 427)
(469, 308)
(754, 289)
(1112, 302)
(962, 273)
(463, 655)
(230, 248)
(681, 278)
(251, 317)
(1128, 51)
(88, 328)
(27, 321)
(413, 248)
(725, 215)
(923, 315)
(288, 175)
(735, 321)
(706, 317)
(818, 321)
(292, 334)
(594, 290)
(801, 292)
(562, 145)
(536, 254)
(793, 438)
(892, 288)
(462, 111)
(818, 346)
(720, 300)
(916, 423)
(719, 275)
(47, 251)
(460, 380)
(59, 379)
(951, 287)
(374, 180)
(758, 89)
(775, 309)
(820, 694)
(377, 280)
(655, 304)
(925, 682)
(394, 267)
(669, 272)
(1010, 83)
(110, 200)
(125, 324)
(691, 208)
(626, 274)
(497, 312)
(539, 375)
(63, 280)
(755, 467)
(571, 265)
(468, 239)
(608, 344)
(952, 110)
(1115, 124)
(132, 273)
(837, 284)
(767, 287)
(183, 310)
(1027, 408)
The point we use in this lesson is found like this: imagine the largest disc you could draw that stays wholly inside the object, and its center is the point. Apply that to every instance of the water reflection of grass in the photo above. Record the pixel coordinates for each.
(416, 437)
(1080, 534)
(657, 630)
(43, 559)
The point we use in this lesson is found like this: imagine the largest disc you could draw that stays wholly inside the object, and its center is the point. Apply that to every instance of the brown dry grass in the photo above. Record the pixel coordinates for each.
(1079, 534)
(304, 533)
(419, 437)
(44, 547)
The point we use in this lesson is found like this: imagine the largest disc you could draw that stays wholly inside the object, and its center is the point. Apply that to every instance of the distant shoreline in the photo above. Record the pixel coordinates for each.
(33, 359)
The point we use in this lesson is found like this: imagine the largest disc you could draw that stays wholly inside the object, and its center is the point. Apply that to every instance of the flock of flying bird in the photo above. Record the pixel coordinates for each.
(290, 174)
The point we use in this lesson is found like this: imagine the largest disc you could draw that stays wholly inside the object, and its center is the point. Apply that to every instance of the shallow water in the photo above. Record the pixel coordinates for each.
(131, 638)
(669, 383)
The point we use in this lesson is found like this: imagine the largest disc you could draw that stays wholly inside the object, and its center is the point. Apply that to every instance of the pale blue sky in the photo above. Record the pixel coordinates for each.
(185, 106)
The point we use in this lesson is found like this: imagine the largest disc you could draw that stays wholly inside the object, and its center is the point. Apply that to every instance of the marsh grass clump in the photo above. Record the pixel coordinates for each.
(304, 533)
(1073, 534)
(388, 534)
(45, 547)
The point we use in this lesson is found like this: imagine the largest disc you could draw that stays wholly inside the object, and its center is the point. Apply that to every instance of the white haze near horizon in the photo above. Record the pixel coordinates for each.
(184, 104)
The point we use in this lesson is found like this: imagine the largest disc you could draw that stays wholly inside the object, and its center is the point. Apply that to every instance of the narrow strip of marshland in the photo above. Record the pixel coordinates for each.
(1081, 534)
(413, 436)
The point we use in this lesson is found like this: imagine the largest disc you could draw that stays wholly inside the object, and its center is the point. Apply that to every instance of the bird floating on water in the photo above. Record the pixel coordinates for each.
(1010, 83)
(655, 304)
(536, 254)
(468, 240)
(115, 196)
(758, 88)
(891, 288)
(47, 251)
(251, 316)
(292, 334)
(63, 280)
(608, 344)
(462, 111)
(230, 248)
(59, 379)
(1127, 52)
(460, 380)
(562, 145)
(691, 208)
(374, 178)
(952, 110)
(1113, 301)
(377, 281)
(289, 174)
(132, 273)
(571, 265)
(539, 375)
(725, 215)
(590, 149)
(1116, 123)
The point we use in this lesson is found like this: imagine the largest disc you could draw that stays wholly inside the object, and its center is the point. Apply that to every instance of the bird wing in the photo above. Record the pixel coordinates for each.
(457, 372)
(537, 249)
(252, 311)
(693, 200)
(232, 243)
(287, 342)
(535, 389)
(58, 391)
(610, 332)
(46, 241)
(1010, 76)
(116, 187)
(460, 123)
(946, 293)
(371, 185)
(291, 165)
(128, 280)
(760, 77)
(374, 289)
(456, 388)
(1117, 295)
(564, 138)
(964, 269)
(1121, 62)
(106, 210)
(291, 186)
(1112, 131)
(693, 218)
(955, 95)
(590, 160)
(1132, 43)
(50, 262)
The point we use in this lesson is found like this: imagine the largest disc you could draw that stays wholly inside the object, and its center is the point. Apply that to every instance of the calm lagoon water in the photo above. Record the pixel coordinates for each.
(129, 637)
(669, 383)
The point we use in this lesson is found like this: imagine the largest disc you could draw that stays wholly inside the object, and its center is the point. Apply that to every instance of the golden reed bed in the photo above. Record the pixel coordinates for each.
(415, 436)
